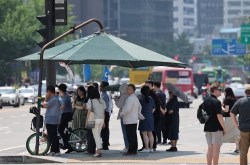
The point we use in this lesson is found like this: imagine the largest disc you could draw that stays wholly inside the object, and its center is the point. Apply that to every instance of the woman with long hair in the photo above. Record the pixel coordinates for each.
(232, 133)
(146, 126)
(97, 106)
(172, 121)
(80, 113)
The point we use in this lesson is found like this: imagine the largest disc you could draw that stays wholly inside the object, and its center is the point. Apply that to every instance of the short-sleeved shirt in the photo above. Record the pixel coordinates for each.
(66, 101)
(242, 107)
(213, 107)
(162, 98)
(98, 106)
(53, 112)
(105, 97)
(230, 102)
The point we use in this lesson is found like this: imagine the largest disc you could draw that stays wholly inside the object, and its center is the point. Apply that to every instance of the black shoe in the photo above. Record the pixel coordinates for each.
(172, 149)
(140, 149)
(105, 148)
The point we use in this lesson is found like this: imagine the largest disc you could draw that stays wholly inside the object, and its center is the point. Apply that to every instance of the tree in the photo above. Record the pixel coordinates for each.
(18, 36)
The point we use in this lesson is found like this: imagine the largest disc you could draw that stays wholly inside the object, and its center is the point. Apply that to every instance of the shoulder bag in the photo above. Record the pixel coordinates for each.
(91, 119)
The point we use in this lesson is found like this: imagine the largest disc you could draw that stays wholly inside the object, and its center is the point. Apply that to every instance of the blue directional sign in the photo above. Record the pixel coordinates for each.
(247, 68)
(227, 47)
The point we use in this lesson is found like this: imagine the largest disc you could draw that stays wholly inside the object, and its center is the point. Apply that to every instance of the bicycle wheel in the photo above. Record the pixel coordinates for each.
(44, 144)
(78, 140)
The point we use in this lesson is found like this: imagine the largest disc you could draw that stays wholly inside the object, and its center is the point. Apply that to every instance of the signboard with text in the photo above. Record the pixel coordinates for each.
(245, 34)
(227, 47)
(60, 12)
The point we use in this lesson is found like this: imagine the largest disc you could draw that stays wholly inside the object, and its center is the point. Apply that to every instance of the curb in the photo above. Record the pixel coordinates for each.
(24, 160)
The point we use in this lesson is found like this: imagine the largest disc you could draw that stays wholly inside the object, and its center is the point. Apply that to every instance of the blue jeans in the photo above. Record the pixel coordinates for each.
(124, 132)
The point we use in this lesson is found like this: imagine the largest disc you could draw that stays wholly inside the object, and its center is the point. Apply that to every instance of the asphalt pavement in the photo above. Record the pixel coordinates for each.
(15, 129)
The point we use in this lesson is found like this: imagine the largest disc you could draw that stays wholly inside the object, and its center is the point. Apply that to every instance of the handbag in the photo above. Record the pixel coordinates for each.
(91, 119)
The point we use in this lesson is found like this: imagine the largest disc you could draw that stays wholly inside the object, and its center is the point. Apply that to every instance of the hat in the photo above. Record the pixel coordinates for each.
(56, 89)
(247, 87)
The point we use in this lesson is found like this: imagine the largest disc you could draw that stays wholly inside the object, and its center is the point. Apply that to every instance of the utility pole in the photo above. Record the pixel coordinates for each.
(55, 15)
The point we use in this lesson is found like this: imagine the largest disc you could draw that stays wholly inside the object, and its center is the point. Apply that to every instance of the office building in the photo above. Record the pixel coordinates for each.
(185, 17)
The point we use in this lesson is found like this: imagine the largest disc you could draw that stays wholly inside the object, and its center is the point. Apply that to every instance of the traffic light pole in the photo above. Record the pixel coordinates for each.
(50, 65)
(72, 30)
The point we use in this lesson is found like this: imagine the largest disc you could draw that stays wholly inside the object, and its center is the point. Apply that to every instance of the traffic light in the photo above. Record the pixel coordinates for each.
(43, 32)
(176, 58)
(194, 58)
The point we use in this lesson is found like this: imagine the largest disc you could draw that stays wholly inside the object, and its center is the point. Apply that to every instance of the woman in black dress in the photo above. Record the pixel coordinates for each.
(172, 121)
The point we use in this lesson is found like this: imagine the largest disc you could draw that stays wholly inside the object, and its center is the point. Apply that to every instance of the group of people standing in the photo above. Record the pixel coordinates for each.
(156, 119)
(61, 109)
(223, 126)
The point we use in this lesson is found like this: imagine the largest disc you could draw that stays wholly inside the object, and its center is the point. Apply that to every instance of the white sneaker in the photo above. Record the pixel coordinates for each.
(125, 150)
(145, 151)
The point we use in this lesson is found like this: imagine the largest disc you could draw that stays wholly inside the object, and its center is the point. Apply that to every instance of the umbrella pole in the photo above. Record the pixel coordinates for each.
(72, 30)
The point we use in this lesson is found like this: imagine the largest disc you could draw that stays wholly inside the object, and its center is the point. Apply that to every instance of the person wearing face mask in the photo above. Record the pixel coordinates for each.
(52, 118)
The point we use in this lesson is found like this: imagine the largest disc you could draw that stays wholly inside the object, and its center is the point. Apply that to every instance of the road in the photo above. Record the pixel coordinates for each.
(15, 129)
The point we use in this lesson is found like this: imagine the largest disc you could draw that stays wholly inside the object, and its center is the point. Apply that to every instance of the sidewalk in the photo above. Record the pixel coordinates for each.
(183, 156)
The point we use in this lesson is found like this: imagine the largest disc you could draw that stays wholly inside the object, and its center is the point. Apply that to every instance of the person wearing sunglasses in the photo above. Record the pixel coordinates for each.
(214, 128)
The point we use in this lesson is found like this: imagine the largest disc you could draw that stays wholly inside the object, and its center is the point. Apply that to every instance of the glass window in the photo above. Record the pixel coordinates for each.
(176, 8)
(233, 12)
(188, 10)
(234, 3)
(188, 21)
(246, 12)
(142, 68)
(246, 3)
(176, 30)
(175, 19)
(189, 1)
(157, 76)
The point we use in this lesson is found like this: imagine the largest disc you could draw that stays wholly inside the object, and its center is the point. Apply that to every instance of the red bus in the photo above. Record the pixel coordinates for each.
(182, 78)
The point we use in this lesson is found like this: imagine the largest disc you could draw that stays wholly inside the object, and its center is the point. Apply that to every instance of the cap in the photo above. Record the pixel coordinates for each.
(247, 87)
(56, 89)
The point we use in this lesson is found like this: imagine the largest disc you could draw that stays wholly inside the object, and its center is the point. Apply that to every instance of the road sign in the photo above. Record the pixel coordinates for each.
(17, 64)
(247, 68)
(245, 34)
(227, 47)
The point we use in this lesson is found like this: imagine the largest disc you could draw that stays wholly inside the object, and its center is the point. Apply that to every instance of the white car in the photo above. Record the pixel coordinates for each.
(30, 94)
(11, 96)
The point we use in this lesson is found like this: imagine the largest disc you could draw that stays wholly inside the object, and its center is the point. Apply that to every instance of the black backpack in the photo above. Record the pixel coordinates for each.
(202, 115)
(33, 123)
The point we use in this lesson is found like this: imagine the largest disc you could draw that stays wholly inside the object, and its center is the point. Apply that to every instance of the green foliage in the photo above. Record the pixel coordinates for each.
(18, 36)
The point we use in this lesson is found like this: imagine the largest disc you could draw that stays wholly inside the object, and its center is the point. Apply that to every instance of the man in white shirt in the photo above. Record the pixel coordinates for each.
(129, 115)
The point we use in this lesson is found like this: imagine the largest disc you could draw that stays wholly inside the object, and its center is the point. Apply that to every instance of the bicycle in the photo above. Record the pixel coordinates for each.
(77, 139)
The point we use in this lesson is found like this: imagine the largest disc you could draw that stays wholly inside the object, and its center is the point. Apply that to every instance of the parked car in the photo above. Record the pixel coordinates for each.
(11, 96)
(30, 94)
(239, 92)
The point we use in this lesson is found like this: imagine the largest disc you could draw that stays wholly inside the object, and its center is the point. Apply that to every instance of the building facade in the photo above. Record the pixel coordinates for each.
(209, 16)
(234, 10)
(185, 17)
(129, 19)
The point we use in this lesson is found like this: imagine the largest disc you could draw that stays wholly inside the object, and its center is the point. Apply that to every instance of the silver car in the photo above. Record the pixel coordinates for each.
(30, 94)
(11, 96)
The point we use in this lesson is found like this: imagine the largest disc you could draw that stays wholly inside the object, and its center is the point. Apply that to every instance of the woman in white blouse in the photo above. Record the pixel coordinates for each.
(98, 109)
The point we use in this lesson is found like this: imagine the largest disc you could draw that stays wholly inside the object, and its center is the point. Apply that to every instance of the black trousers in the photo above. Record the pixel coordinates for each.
(160, 129)
(65, 119)
(132, 137)
(91, 142)
(52, 133)
(105, 131)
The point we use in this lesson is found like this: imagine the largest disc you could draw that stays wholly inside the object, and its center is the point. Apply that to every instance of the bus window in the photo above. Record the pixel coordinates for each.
(157, 76)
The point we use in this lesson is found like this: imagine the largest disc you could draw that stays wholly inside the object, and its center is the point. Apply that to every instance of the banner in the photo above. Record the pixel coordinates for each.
(68, 69)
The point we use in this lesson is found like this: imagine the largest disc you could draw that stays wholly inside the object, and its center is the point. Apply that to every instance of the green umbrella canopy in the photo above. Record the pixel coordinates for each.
(104, 49)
